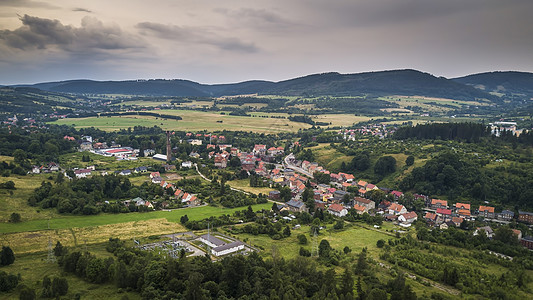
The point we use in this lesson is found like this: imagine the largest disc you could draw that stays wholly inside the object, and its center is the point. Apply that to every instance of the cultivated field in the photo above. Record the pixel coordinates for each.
(192, 121)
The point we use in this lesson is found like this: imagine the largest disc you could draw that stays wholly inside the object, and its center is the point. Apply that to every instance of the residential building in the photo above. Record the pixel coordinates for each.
(296, 206)
(409, 217)
(486, 211)
(527, 242)
(82, 173)
(360, 209)
(397, 209)
(488, 231)
(436, 203)
(459, 206)
(337, 210)
(505, 215)
(525, 216)
(518, 233)
(368, 204)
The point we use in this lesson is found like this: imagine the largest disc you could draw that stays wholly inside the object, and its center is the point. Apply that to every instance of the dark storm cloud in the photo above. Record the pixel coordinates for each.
(40, 33)
(81, 9)
(195, 35)
(26, 3)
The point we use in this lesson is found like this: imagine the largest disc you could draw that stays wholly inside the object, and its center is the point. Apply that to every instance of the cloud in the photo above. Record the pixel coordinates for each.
(256, 17)
(81, 9)
(26, 3)
(40, 33)
(196, 35)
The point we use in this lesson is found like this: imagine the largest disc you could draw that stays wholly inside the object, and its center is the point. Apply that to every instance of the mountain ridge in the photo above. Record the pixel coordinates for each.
(407, 82)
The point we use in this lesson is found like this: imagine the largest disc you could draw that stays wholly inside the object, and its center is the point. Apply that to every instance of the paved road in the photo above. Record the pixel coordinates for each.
(289, 165)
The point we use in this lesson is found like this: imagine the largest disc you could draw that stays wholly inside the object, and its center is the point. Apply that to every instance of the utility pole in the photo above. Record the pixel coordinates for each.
(51, 257)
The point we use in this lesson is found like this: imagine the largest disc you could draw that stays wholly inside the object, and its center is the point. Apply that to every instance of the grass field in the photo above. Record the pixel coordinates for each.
(16, 200)
(192, 121)
(74, 221)
(32, 268)
(352, 236)
(244, 185)
(328, 157)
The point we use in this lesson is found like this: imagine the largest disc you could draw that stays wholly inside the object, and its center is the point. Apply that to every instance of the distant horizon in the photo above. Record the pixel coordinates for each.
(248, 80)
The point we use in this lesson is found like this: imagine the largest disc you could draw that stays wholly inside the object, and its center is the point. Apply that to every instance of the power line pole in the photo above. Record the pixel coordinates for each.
(51, 257)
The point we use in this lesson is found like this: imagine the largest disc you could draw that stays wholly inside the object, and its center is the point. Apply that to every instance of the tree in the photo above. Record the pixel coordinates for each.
(184, 219)
(286, 231)
(59, 249)
(26, 293)
(7, 256)
(59, 286)
(8, 185)
(324, 249)
(377, 294)
(339, 225)
(360, 293)
(380, 243)
(46, 292)
(19, 156)
(321, 177)
(385, 165)
(346, 250)
(410, 160)
(14, 218)
(505, 235)
(304, 252)
(361, 262)
(302, 239)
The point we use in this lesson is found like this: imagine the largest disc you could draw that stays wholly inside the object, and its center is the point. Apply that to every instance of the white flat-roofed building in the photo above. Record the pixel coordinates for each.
(227, 248)
(211, 241)
(160, 157)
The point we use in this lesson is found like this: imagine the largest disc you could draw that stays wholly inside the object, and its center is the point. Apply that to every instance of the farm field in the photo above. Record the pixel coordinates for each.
(430, 104)
(192, 121)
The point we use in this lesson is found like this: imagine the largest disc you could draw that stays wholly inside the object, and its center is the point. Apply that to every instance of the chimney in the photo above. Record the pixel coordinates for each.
(169, 149)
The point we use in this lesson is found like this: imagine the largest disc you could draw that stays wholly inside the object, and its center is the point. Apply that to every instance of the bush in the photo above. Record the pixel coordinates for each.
(7, 256)
(7, 281)
(305, 252)
(302, 239)
(15, 218)
(26, 293)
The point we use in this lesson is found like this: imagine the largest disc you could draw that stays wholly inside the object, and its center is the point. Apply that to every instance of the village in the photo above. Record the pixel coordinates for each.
(274, 169)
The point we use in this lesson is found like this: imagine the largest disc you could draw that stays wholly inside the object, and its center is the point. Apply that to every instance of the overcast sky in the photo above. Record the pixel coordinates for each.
(236, 40)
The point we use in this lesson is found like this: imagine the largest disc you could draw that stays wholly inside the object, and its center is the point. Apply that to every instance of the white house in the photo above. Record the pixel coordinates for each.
(186, 164)
(82, 173)
(337, 210)
(409, 217)
(227, 248)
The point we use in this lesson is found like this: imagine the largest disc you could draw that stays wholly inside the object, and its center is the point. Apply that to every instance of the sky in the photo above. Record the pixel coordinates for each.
(237, 40)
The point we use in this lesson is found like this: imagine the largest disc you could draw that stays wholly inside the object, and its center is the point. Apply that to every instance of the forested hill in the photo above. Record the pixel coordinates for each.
(32, 101)
(509, 83)
(397, 82)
